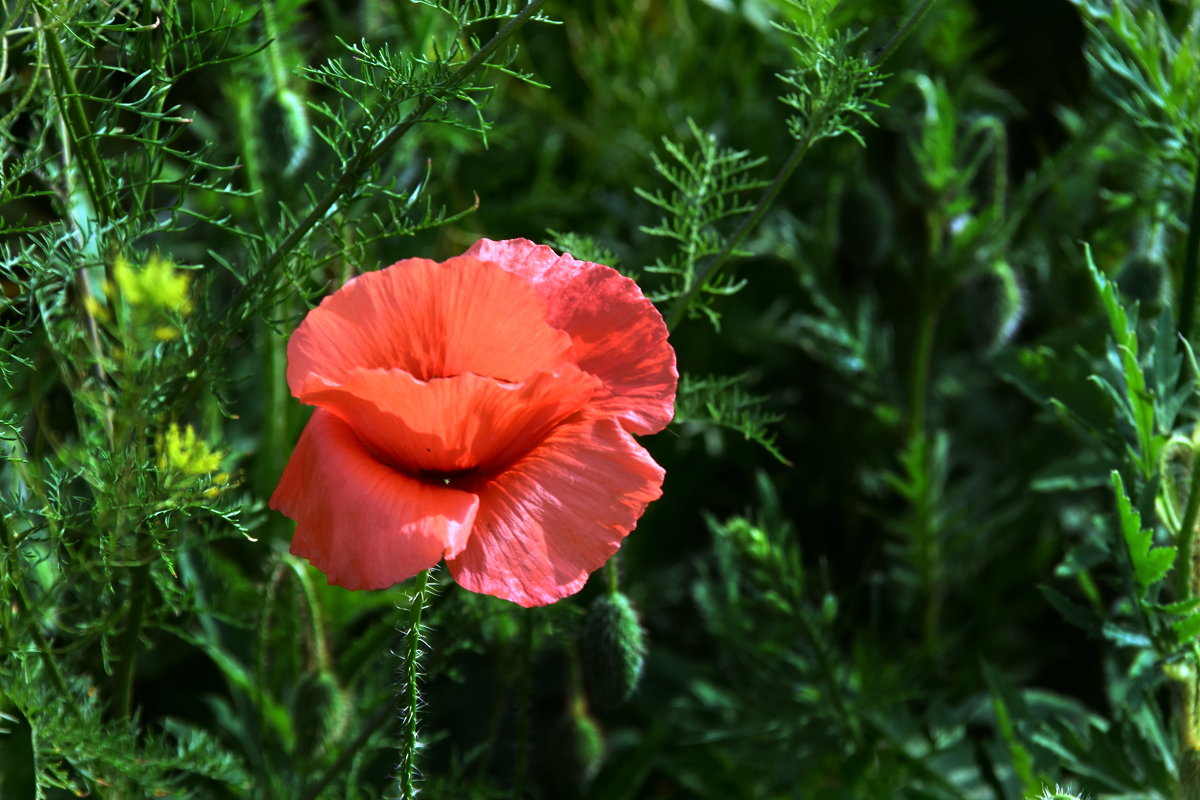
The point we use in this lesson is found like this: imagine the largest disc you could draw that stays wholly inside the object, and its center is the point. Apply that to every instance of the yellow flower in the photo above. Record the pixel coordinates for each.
(182, 451)
(157, 284)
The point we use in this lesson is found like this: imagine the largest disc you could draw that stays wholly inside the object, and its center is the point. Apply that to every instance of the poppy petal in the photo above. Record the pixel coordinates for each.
(558, 514)
(362, 523)
(448, 425)
(433, 320)
(618, 334)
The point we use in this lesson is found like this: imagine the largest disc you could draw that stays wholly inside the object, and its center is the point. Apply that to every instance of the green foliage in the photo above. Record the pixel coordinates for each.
(707, 188)
(948, 554)
(1150, 564)
(829, 87)
(723, 403)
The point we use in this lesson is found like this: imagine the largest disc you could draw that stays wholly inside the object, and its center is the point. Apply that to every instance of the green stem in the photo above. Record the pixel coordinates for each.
(409, 694)
(359, 164)
(926, 335)
(377, 721)
(910, 24)
(130, 640)
(365, 158)
(22, 605)
(154, 29)
(1191, 255)
(710, 270)
(803, 144)
(79, 129)
(1186, 580)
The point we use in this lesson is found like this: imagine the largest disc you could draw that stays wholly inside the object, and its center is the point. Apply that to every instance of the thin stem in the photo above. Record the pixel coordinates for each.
(409, 691)
(78, 127)
(22, 605)
(926, 335)
(367, 157)
(377, 721)
(1187, 580)
(1191, 255)
(360, 163)
(710, 270)
(910, 24)
(131, 638)
(803, 144)
(154, 30)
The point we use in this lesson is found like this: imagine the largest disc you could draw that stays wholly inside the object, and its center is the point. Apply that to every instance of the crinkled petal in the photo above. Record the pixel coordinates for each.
(450, 425)
(558, 514)
(618, 334)
(362, 523)
(431, 320)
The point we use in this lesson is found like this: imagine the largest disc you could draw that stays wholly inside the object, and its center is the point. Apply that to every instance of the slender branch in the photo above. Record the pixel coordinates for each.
(78, 126)
(131, 638)
(365, 158)
(22, 605)
(710, 270)
(362, 160)
(1191, 254)
(910, 24)
(377, 721)
(409, 690)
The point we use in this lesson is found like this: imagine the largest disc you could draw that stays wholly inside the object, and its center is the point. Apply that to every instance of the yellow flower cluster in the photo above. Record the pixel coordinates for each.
(185, 453)
(157, 284)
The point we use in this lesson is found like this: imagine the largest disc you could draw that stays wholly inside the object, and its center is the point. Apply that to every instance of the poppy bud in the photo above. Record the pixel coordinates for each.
(1147, 281)
(614, 649)
(579, 748)
(995, 304)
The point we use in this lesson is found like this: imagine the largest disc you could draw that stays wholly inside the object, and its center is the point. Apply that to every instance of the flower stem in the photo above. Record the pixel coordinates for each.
(408, 691)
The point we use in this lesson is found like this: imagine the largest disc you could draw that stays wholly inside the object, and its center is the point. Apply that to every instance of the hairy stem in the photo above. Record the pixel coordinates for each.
(408, 692)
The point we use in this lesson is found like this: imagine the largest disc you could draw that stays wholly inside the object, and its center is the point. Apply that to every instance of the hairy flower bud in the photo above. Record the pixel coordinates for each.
(995, 304)
(614, 649)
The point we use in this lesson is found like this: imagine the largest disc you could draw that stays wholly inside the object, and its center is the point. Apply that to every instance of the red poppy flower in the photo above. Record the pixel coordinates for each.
(478, 410)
